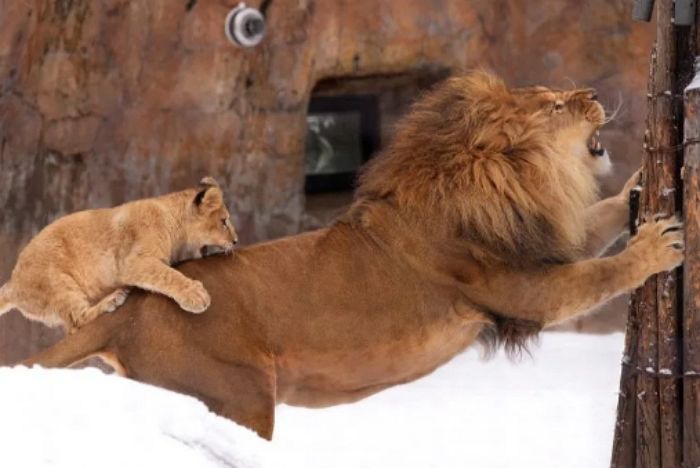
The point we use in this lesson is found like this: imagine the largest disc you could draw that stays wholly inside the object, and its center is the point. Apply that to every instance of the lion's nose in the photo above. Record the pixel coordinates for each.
(587, 94)
(235, 240)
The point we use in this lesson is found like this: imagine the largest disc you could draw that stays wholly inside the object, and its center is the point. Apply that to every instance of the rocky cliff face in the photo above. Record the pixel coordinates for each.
(101, 102)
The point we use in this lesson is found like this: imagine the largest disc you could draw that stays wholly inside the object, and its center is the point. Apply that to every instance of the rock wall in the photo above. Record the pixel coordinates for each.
(102, 102)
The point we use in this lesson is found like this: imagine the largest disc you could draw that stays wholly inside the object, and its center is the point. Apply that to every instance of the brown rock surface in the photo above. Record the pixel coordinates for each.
(102, 102)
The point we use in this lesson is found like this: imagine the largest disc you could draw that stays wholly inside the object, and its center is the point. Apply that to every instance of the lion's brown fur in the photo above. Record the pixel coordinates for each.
(514, 335)
(474, 220)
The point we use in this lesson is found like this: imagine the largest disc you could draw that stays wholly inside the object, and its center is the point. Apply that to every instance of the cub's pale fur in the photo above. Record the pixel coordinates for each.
(83, 264)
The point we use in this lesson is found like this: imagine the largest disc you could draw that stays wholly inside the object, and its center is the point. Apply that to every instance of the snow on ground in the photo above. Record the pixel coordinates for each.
(552, 410)
(84, 419)
(556, 409)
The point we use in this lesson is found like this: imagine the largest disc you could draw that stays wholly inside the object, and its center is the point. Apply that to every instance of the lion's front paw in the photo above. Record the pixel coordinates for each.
(194, 298)
(658, 245)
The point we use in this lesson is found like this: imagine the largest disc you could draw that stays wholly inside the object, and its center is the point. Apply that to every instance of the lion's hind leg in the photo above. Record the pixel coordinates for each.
(242, 392)
(250, 400)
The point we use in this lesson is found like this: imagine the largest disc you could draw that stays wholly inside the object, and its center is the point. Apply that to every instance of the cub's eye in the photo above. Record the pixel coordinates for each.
(558, 106)
(223, 223)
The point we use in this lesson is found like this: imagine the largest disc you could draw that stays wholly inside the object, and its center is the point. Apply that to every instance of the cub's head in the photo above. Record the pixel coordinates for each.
(209, 229)
(573, 119)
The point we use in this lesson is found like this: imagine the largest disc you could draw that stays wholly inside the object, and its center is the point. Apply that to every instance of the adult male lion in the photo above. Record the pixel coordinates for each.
(476, 221)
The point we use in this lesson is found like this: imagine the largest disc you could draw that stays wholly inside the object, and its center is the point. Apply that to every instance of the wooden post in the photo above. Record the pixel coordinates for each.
(691, 285)
(651, 414)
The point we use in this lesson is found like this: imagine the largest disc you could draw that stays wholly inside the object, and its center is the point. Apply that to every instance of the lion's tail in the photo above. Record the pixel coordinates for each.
(88, 341)
(5, 301)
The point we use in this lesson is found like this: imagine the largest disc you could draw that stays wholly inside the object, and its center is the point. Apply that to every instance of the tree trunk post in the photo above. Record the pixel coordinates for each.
(691, 285)
(652, 412)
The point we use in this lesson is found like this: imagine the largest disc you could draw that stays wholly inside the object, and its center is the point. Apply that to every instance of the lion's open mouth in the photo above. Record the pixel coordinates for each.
(594, 146)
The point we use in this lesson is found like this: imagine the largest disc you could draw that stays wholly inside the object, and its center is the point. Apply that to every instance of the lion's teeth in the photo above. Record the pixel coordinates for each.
(597, 133)
(597, 146)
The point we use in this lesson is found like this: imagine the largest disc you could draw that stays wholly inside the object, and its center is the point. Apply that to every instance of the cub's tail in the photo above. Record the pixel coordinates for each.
(5, 304)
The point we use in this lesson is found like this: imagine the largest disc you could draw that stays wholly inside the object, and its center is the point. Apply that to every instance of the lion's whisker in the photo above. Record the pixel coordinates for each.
(573, 83)
(617, 110)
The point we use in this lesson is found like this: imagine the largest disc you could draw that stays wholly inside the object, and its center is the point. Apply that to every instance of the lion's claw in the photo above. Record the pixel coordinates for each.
(659, 245)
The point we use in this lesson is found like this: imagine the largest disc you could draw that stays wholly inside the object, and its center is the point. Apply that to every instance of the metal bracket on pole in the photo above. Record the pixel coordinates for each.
(684, 12)
(643, 9)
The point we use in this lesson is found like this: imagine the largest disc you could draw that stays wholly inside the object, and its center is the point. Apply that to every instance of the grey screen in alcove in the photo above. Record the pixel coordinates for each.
(333, 143)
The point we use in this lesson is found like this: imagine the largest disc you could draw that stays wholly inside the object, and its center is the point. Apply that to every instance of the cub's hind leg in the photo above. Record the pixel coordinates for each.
(72, 306)
(56, 299)
(107, 304)
(68, 304)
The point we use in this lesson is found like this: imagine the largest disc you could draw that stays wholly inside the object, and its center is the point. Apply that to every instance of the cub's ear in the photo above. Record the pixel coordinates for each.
(200, 196)
(209, 198)
(208, 181)
(209, 194)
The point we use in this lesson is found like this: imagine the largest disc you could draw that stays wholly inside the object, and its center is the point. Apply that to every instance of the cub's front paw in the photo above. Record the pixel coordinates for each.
(194, 298)
(658, 245)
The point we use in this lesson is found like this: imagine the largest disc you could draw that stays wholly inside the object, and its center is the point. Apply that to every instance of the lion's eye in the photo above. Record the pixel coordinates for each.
(558, 106)
(223, 223)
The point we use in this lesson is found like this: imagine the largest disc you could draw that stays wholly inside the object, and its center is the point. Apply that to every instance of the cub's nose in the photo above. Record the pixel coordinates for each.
(235, 240)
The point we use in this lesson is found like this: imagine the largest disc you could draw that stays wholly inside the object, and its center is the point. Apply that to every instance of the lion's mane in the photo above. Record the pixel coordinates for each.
(472, 158)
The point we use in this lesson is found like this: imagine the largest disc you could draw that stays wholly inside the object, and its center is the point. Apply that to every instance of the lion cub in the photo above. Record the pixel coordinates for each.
(82, 265)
